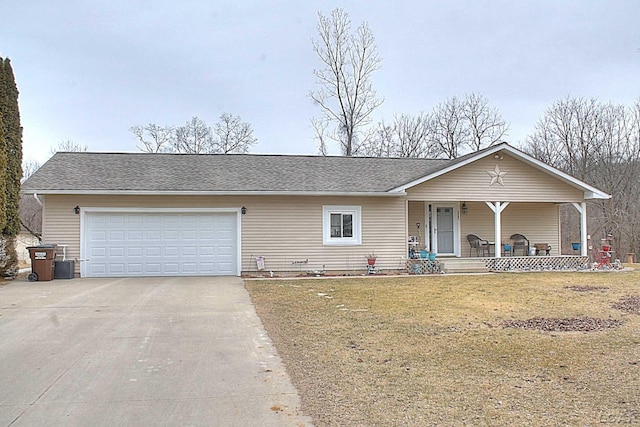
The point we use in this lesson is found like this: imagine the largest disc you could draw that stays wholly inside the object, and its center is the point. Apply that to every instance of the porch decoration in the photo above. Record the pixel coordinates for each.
(497, 176)
(371, 263)
(507, 248)
(371, 259)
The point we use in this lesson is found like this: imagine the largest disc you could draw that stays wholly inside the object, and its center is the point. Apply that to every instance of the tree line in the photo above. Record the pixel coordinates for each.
(598, 143)
(230, 135)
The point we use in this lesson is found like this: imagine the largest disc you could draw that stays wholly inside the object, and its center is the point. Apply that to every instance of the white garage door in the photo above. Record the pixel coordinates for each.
(122, 244)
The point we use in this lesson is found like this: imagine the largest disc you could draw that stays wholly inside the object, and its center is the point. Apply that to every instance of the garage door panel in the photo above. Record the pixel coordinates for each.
(134, 235)
(171, 251)
(135, 251)
(116, 236)
(207, 251)
(116, 252)
(98, 236)
(116, 268)
(155, 244)
(120, 219)
(189, 235)
(171, 235)
(135, 268)
(98, 252)
(153, 235)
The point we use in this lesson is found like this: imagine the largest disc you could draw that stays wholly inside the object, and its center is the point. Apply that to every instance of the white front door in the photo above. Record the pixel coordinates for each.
(444, 229)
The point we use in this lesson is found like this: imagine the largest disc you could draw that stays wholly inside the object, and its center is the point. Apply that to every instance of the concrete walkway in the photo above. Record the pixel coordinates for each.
(148, 351)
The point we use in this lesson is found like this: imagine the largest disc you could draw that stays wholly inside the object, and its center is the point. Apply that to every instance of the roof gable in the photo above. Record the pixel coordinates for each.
(496, 151)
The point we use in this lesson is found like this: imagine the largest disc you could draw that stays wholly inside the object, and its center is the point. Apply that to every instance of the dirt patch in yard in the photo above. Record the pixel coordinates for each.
(629, 304)
(586, 288)
(582, 324)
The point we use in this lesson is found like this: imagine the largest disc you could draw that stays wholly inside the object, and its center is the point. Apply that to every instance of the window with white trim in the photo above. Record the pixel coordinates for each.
(341, 225)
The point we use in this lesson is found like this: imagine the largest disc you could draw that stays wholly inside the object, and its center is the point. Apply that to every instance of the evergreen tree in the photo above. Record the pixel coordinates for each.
(3, 171)
(11, 167)
(13, 138)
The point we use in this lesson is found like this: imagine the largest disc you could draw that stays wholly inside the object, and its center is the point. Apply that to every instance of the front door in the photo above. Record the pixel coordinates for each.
(444, 228)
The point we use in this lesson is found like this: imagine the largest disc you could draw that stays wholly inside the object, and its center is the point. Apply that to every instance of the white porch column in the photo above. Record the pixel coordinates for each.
(582, 208)
(497, 208)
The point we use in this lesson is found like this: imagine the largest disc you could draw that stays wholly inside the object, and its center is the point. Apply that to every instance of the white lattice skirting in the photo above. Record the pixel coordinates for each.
(538, 263)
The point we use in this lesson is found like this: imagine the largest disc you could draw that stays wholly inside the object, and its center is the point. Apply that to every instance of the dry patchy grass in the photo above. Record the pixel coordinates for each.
(433, 350)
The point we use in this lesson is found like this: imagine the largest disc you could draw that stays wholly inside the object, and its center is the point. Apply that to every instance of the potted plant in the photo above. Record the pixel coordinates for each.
(371, 258)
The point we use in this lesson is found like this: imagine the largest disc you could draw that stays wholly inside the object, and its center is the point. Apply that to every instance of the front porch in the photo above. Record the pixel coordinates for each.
(506, 229)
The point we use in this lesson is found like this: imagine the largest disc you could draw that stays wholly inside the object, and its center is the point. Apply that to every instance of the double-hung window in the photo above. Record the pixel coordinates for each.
(341, 225)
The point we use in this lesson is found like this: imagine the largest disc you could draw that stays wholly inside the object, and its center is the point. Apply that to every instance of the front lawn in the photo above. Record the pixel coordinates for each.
(460, 350)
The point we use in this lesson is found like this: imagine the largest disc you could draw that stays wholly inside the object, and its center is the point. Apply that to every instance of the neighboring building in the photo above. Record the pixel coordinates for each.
(138, 214)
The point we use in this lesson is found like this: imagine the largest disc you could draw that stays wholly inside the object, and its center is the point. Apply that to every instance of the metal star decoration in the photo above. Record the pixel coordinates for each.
(496, 176)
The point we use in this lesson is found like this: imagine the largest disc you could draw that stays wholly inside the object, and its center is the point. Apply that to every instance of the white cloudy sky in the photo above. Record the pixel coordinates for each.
(88, 70)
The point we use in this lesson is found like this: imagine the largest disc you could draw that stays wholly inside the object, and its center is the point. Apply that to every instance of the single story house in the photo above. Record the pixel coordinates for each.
(140, 214)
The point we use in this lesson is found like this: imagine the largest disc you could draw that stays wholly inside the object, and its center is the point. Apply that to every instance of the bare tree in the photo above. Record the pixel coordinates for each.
(30, 214)
(319, 127)
(29, 166)
(382, 142)
(486, 126)
(413, 136)
(448, 129)
(69, 146)
(29, 210)
(599, 144)
(232, 135)
(154, 138)
(345, 95)
(406, 136)
(194, 137)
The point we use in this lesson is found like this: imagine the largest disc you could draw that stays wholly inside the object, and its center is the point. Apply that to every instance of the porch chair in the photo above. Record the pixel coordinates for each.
(519, 241)
(478, 244)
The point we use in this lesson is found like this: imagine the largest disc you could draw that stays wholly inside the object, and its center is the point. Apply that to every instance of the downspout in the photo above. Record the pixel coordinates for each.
(35, 196)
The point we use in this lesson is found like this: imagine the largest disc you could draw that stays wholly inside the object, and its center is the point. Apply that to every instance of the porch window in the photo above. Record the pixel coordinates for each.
(341, 225)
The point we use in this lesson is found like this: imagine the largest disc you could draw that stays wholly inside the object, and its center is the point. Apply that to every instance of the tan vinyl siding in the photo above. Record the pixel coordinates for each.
(60, 225)
(522, 183)
(537, 221)
(283, 229)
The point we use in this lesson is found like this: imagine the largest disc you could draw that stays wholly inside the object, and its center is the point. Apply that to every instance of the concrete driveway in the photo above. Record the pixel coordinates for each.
(146, 351)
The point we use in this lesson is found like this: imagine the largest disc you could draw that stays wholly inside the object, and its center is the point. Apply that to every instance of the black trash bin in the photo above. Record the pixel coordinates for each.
(42, 262)
(64, 269)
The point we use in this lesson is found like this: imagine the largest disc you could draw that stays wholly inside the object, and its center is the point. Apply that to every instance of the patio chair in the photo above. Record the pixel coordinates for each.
(478, 244)
(519, 241)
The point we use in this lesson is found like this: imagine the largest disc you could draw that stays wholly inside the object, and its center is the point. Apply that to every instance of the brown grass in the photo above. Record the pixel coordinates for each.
(432, 350)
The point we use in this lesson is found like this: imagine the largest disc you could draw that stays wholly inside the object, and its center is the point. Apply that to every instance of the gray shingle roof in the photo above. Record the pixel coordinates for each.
(142, 172)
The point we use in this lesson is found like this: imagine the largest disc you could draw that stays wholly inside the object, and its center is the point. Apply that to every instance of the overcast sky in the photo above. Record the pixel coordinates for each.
(89, 70)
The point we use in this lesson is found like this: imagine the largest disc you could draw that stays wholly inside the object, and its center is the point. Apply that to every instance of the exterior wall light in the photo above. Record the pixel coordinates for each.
(465, 209)
(76, 210)
(243, 210)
